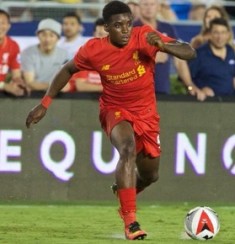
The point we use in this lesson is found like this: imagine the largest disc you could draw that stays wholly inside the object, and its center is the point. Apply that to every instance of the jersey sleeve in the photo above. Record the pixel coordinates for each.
(81, 58)
(15, 57)
(151, 50)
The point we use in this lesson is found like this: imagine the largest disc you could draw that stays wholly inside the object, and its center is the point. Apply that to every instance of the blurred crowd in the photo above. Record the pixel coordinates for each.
(211, 74)
(172, 10)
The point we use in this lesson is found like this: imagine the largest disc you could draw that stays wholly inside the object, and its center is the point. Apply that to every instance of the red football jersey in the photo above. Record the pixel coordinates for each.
(126, 73)
(9, 57)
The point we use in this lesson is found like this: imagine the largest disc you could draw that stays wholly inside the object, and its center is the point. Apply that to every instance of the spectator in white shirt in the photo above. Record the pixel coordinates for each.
(72, 29)
(40, 62)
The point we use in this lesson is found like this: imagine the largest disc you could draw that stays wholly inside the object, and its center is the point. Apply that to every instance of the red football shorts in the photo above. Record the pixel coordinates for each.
(145, 126)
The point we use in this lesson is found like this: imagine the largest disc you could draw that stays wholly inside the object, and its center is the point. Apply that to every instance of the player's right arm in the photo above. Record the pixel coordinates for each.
(178, 49)
(59, 81)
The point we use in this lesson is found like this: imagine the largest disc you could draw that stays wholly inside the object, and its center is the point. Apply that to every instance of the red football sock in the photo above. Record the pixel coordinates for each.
(127, 198)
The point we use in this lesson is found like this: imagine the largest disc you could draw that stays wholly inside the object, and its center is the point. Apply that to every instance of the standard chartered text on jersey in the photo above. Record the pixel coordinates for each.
(126, 77)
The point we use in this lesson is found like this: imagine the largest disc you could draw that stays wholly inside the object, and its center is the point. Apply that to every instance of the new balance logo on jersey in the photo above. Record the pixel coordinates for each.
(105, 67)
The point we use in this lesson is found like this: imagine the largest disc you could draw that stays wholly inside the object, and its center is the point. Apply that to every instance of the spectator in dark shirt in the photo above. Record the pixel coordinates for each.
(213, 71)
(210, 14)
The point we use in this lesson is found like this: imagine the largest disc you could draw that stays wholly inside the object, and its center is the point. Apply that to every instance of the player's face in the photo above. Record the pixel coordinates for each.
(119, 29)
(4, 25)
(71, 27)
(148, 9)
(48, 40)
(219, 36)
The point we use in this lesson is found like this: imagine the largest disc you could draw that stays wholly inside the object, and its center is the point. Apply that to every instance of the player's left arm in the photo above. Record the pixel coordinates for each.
(178, 49)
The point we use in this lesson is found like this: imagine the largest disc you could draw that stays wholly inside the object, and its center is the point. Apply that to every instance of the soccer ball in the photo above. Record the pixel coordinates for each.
(202, 223)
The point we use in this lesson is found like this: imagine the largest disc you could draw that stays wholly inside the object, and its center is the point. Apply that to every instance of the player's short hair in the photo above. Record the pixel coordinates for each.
(219, 21)
(73, 15)
(6, 14)
(114, 7)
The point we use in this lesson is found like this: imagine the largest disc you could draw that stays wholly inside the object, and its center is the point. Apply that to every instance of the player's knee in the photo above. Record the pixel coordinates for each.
(127, 149)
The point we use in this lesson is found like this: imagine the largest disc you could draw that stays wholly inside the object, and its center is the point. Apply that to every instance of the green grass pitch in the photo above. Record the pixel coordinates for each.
(98, 223)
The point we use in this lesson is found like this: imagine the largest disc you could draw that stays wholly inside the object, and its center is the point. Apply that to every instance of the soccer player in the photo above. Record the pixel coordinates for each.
(125, 61)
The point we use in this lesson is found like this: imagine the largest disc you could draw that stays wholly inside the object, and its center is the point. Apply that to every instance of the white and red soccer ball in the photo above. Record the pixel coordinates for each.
(202, 223)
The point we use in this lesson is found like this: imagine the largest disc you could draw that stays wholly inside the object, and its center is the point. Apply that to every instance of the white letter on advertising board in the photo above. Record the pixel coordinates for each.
(184, 149)
(7, 151)
(228, 149)
(59, 169)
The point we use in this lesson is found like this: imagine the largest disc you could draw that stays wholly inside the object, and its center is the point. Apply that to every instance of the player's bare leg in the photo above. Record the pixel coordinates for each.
(122, 137)
(146, 171)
